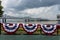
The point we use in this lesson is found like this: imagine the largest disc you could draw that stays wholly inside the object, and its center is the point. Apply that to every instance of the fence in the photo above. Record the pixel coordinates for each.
(29, 21)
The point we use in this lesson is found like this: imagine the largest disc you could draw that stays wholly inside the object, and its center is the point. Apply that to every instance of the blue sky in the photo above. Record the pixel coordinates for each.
(33, 8)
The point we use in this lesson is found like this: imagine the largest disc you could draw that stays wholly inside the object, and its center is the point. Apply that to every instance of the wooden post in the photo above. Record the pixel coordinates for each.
(58, 17)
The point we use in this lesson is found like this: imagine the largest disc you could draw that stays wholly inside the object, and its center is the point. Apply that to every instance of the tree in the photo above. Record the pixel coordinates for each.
(1, 12)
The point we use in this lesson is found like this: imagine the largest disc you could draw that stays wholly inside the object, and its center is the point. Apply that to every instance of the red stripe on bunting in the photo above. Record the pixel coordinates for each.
(46, 31)
(58, 26)
(6, 30)
(37, 25)
(30, 31)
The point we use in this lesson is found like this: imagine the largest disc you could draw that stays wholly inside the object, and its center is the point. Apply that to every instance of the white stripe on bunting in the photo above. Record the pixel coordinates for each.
(50, 29)
(31, 28)
(11, 28)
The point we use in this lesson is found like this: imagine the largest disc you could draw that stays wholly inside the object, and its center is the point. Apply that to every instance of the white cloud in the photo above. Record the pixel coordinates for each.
(48, 12)
(4, 3)
(43, 12)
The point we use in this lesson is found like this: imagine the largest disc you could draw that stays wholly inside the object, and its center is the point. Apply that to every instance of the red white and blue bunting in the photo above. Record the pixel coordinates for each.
(48, 28)
(30, 28)
(10, 28)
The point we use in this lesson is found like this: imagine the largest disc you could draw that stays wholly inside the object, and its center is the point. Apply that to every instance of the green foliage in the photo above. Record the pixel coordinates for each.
(1, 12)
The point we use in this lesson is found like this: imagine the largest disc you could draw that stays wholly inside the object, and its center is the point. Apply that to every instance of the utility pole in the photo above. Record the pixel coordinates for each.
(58, 17)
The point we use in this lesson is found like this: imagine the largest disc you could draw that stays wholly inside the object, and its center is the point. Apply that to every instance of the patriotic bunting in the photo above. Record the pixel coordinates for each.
(30, 28)
(58, 26)
(10, 28)
(49, 29)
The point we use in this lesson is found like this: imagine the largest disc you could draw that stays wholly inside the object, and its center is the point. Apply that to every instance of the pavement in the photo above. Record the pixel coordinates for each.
(28, 37)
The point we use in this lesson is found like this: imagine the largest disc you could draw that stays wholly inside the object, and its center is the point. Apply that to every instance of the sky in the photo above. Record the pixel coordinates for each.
(32, 8)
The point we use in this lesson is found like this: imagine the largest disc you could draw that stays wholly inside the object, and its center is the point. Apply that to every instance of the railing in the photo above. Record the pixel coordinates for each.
(7, 20)
(23, 20)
